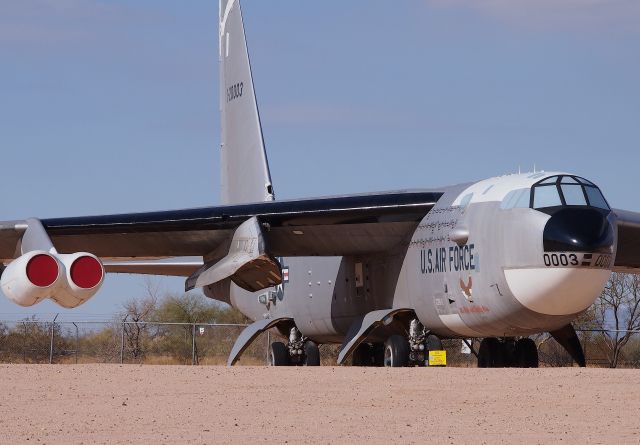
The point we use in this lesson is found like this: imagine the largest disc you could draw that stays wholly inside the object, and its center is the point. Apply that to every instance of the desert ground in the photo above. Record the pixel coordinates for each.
(91, 404)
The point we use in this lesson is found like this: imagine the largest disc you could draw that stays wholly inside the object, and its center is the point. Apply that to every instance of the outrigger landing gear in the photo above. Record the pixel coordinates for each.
(299, 351)
(507, 353)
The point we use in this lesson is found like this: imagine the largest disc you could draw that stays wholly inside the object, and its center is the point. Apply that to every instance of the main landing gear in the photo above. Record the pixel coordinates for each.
(299, 351)
(507, 353)
(398, 350)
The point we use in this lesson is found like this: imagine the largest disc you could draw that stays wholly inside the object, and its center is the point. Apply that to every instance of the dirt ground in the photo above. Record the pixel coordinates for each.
(92, 404)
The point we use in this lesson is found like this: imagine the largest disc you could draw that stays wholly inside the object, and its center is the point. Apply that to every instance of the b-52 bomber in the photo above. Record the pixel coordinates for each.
(386, 275)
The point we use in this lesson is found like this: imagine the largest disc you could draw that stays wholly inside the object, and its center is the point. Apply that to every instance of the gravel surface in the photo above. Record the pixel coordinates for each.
(93, 404)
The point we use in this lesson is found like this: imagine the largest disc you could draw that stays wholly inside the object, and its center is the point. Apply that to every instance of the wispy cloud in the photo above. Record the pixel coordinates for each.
(621, 15)
(49, 22)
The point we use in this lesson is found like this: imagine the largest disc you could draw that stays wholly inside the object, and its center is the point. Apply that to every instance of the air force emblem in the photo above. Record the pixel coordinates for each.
(467, 289)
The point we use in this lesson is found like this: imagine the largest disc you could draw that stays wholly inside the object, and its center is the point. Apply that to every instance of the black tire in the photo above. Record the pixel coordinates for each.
(491, 353)
(279, 354)
(396, 351)
(362, 355)
(526, 353)
(432, 343)
(311, 354)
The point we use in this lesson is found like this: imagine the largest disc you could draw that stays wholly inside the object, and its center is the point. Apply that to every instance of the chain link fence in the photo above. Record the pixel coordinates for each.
(34, 341)
(598, 345)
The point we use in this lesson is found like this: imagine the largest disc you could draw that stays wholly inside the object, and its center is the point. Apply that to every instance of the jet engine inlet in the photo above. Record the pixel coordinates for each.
(67, 279)
(32, 277)
(86, 272)
(84, 276)
(42, 270)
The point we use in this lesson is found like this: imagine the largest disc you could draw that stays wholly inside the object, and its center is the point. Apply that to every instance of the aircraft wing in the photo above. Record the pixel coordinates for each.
(334, 226)
(628, 253)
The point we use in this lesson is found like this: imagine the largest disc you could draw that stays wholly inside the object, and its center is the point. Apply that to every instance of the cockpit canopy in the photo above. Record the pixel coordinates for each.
(566, 190)
(556, 191)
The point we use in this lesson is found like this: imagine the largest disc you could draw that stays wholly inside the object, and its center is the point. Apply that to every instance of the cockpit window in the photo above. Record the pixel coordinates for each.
(546, 196)
(573, 194)
(595, 198)
(568, 180)
(516, 199)
(466, 199)
(566, 190)
(585, 181)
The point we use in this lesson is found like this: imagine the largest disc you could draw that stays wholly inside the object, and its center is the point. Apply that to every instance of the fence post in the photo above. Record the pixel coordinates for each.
(24, 343)
(193, 345)
(53, 324)
(122, 340)
(77, 341)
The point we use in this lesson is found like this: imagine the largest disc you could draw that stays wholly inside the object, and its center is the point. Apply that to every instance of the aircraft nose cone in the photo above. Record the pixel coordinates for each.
(578, 230)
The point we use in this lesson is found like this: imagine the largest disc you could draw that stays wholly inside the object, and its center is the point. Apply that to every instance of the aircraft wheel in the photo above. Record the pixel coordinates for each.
(491, 353)
(279, 354)
(362, 355)
(433, 343)
(311, 354)
(396, 351)
(526, 353)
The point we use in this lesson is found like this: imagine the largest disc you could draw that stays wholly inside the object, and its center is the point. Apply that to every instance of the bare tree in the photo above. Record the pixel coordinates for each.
(136, 312)
(618, 307)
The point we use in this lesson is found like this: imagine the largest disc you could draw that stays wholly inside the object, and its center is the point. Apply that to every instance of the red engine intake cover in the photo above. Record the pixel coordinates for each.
(42, 270)
(86, 272)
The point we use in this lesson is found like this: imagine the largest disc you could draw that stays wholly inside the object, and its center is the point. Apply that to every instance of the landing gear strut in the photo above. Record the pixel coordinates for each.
(417, 346)
(420, 343)
(299, 351)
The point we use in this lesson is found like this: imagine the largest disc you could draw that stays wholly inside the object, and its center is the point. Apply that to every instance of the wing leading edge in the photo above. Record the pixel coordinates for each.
(325, 226)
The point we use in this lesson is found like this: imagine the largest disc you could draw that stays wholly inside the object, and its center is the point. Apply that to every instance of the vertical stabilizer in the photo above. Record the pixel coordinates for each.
(244, 168)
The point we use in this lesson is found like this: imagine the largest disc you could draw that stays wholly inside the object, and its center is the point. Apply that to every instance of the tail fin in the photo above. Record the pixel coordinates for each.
(245, 170)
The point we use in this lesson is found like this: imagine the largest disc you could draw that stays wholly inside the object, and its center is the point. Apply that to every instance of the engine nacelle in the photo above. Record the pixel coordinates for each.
(67, 279)
(84, 274)
(32, 277)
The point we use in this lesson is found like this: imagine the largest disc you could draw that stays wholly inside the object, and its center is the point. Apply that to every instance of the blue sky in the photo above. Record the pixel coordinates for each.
(112, 106)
